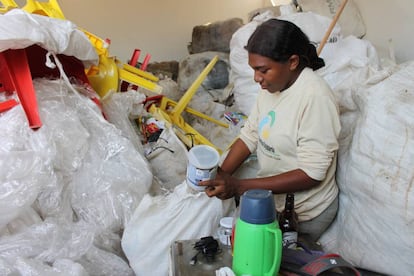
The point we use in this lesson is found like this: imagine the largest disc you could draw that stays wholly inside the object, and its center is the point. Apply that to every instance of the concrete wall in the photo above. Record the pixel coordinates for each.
(163, 28)
(390, 20)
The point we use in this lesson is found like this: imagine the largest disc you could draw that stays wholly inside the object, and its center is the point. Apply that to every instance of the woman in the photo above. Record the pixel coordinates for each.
(293, 128)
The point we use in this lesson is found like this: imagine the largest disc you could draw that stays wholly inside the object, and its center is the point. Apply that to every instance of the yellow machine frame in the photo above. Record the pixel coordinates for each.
(170, 111)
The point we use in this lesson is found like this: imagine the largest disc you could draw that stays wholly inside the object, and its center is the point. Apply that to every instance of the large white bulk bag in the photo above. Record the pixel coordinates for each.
(374, 228)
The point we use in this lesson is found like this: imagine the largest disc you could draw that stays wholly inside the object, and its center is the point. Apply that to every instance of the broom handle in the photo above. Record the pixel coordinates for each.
(334, 20)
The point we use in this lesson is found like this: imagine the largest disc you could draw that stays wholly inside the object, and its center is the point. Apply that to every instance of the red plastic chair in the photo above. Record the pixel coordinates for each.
(15, 76)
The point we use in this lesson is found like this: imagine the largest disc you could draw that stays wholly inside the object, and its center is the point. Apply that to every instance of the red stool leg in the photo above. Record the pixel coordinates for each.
(144, 64)
(6, 105)
(132, 62)
(143, 67)
(6, 85)
(19, 75)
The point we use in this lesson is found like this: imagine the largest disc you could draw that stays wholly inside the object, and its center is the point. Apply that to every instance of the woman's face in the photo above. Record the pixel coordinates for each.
(272, 75)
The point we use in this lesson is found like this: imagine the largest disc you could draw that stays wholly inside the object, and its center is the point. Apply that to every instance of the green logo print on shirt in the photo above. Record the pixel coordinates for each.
(265, 126)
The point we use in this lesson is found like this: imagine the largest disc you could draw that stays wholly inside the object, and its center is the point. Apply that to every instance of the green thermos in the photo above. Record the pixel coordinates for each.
(257, 248)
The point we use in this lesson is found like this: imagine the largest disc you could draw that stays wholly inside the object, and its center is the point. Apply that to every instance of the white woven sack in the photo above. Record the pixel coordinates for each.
(161, 220)
(351, 21)
(241, 74)
(374, 226)
(168, 160)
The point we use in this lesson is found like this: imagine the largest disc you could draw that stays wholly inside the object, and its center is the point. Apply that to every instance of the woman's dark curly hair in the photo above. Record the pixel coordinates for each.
(280, 39)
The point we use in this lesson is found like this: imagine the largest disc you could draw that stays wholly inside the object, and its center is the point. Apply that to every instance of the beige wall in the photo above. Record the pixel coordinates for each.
(387, 20)
(163, 28)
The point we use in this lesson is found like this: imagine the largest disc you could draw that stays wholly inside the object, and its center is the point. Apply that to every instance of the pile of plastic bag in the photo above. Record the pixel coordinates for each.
(67, 189)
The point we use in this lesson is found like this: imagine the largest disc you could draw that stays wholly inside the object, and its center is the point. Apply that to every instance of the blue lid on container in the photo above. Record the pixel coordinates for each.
(257, 207)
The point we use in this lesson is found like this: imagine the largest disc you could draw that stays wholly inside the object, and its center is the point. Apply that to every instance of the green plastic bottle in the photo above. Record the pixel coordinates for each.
(257, 249)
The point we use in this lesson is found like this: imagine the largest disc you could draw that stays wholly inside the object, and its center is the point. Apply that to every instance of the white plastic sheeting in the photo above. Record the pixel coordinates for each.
(160, 220)
(120, 108)
(67, 189)
(19, 29)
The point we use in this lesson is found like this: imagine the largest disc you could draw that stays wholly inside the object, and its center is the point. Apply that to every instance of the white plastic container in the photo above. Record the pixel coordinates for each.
(202, 165)
(224, 231)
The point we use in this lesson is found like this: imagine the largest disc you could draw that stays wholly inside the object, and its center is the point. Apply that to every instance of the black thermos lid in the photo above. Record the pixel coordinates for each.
(257, 207)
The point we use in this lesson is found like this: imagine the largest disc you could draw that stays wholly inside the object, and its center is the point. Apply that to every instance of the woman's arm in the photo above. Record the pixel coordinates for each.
(291, 181)
(237, 155)
(225, 186)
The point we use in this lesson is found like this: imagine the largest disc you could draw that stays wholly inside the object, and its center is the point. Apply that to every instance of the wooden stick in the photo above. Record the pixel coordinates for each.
(334, 20)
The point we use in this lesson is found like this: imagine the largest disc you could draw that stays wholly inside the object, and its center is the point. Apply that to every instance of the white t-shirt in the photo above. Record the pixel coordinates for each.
(297, 129)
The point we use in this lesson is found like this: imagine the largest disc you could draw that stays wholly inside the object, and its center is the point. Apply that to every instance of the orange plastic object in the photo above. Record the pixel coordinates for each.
(6, 5)
(50, 8)
(15, 76)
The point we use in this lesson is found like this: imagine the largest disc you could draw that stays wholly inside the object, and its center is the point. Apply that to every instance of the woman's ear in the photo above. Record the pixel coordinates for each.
(293, 62)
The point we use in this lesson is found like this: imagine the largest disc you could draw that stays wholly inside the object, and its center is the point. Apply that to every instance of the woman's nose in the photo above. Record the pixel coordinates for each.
(257, 77)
